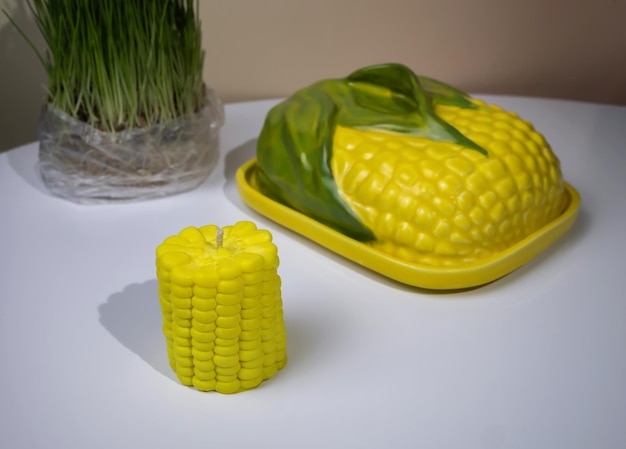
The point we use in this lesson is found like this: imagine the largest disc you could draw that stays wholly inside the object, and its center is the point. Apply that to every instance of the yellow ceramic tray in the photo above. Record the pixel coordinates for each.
(440, 278)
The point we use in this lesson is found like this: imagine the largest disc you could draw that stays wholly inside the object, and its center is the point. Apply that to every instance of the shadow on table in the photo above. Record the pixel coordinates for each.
(234, 159)
(133, 317)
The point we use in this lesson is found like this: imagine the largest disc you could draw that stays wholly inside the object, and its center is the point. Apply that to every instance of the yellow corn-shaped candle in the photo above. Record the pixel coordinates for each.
(221, 303)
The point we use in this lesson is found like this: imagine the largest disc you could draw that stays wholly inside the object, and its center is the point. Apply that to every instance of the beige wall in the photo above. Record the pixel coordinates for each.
(573, 49)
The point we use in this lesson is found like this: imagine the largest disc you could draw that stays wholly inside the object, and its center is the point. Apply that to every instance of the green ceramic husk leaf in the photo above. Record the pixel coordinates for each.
(294, 149)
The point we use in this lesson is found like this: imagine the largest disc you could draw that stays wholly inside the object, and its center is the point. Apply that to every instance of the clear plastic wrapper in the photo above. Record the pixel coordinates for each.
(86, 165)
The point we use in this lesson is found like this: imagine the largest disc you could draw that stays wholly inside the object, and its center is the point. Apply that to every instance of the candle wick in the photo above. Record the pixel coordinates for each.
(219, 240)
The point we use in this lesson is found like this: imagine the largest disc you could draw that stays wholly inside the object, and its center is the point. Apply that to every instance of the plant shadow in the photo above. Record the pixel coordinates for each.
(133, 317)
(25, 162)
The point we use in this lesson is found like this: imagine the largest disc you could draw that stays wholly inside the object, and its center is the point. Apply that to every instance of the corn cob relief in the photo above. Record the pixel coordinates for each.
(437, 203)
(416, 168)
(220, 297)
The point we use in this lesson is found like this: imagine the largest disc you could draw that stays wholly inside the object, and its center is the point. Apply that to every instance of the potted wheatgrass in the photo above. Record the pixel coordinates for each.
(127, 115)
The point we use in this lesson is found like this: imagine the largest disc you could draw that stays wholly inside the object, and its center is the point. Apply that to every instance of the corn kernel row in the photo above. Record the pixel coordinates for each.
(438, 203)
(222, 307)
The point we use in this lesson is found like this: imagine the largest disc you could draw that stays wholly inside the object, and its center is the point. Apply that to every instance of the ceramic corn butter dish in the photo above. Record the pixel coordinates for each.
(410, 177)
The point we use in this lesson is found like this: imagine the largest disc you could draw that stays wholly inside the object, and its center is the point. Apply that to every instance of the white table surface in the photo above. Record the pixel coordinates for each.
(534, 360)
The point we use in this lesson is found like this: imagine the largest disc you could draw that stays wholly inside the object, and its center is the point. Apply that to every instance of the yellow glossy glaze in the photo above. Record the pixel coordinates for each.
(440, 204)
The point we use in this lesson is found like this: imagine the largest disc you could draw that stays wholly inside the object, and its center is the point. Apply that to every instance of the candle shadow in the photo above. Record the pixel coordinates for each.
(133, 317)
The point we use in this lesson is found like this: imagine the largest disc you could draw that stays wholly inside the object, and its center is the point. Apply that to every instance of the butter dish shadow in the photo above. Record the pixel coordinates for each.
(234, 159)
(133, 317)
